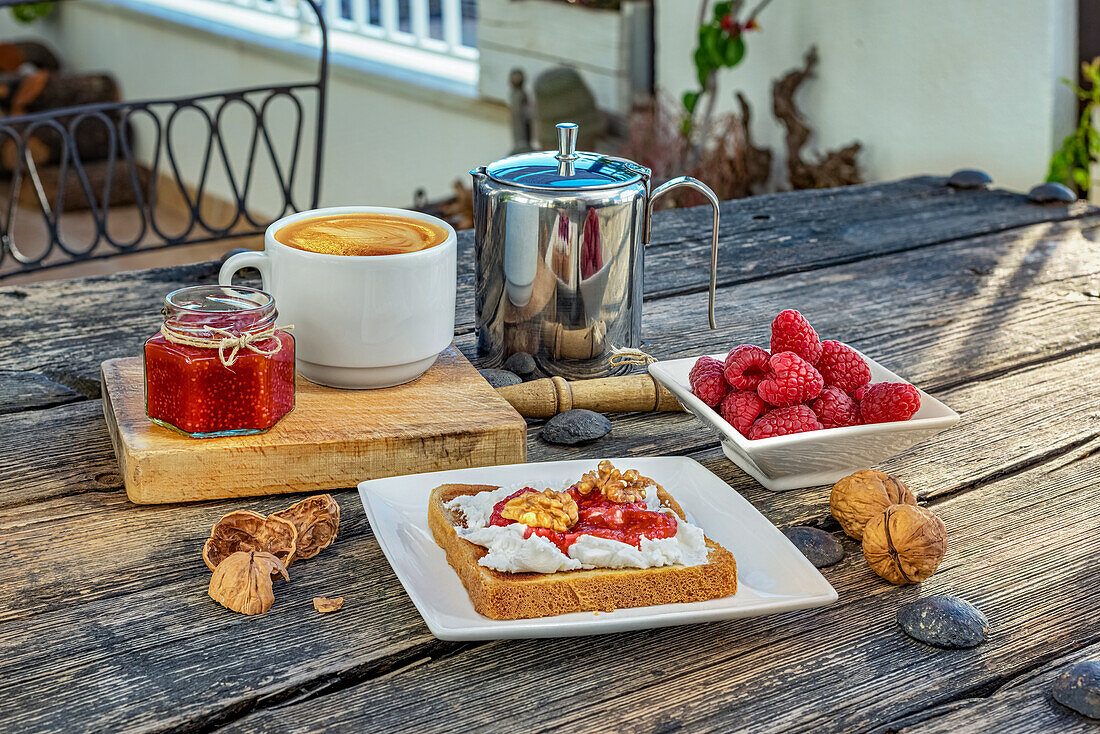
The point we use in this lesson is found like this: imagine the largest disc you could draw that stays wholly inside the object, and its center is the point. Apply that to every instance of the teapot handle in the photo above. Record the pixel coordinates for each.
(702, 188)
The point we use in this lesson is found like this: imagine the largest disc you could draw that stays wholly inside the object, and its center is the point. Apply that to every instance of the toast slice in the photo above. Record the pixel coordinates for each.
(500, 595)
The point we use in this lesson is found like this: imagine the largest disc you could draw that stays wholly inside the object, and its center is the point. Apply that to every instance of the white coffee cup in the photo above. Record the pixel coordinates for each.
(359, 321)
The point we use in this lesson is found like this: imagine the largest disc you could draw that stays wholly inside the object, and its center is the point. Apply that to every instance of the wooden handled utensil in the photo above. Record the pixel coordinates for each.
(550, 396)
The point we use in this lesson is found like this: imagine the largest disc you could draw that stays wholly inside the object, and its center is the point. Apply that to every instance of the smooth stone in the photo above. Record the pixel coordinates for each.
(575, 426)
(969, 178)
(1078, 688)
(944, 621)
(522, 364)
(500, 378)
(1052, 193)
(820, 547)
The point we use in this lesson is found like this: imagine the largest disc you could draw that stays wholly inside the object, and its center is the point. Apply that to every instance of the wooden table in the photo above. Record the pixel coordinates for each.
(987, 301)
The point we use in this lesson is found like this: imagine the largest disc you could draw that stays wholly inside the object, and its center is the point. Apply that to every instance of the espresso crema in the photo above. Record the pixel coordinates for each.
(361, 234)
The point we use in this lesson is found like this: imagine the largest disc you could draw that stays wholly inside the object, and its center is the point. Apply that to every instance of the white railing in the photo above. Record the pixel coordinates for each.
(431, 25)
(431, 39)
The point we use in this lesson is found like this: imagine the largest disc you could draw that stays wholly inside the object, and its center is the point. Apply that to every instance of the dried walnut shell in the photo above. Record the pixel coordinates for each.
(905, 544)
(316, 521)
(866, 494)
(324, 604)
(242, 582)
(244, 530)
(546, 509)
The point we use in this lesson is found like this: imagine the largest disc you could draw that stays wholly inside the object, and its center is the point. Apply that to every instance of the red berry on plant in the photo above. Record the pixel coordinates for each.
(746, 366)
(835, 409)
(730, 25)
(885, 402)
(790, 380)
(791, 332)
(842, 366)
(741, 408)
(782, 421)
(707, 382)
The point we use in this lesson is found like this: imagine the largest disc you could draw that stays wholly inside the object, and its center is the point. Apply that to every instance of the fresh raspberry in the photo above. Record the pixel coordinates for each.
(746, 366)
(791, 332)
(835, 409)
(740, 408)
(857, 394)
(790, 380)
(884, 402)
(842, 367)
(781, 421)
(707, 382)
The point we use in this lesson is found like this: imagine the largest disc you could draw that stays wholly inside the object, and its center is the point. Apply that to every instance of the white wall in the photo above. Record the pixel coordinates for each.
(384, 138)
(927, 86)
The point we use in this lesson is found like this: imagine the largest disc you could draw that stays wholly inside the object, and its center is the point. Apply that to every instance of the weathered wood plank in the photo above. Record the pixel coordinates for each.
(1023, 704)
(1010, 300)
(21, 390)
(140, 646)
(70, 327)
(938, 317)
(953, 338)
(1018, 550)
(54, 452)
(136, 572)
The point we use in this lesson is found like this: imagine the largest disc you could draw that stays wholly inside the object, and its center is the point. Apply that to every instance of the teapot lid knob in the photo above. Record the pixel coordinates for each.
(567, 141)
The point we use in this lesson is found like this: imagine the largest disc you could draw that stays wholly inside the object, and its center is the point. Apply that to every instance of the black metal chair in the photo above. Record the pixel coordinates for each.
(59, 138)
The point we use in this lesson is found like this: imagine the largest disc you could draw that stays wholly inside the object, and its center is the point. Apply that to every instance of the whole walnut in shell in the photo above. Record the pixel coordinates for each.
(866, 494)
(905, 544)
(242, 582)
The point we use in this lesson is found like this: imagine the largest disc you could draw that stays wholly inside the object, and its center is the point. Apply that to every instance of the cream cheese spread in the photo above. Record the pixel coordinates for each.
(509, 551)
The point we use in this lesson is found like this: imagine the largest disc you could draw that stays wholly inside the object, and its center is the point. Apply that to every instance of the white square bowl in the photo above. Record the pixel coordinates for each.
(815, 457)
(772, 575)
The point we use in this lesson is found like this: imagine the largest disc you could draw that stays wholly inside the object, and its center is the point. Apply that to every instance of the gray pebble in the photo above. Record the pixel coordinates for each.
(575, 426)
(969, 178)
(944, 621)
(820, 547)
(1078, 688)
(522, 364)
(500, 378)
(1052, 193)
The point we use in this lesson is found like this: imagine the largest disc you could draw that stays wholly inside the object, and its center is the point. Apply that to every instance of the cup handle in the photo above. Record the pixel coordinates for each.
(256, 259)
(693, 183)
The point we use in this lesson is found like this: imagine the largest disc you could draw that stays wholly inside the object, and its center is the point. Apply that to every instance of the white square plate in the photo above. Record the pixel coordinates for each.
(812, 458)
(772, 575)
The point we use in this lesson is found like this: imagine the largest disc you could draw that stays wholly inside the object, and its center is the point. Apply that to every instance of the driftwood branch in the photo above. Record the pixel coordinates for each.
(836, 167)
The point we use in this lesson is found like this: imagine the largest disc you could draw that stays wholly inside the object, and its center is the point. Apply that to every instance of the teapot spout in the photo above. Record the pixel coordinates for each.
(479, 173)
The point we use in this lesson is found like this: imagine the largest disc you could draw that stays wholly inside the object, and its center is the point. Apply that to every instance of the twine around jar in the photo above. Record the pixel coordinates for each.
(620, 357)
(230, 344)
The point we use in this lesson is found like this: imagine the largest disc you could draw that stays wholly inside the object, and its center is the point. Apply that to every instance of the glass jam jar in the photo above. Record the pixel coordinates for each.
(219, 366)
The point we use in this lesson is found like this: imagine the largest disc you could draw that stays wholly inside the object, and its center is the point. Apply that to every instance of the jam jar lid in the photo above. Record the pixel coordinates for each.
(565, 168)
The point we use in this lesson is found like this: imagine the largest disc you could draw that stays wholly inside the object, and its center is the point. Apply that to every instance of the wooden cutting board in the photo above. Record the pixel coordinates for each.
(448, 418)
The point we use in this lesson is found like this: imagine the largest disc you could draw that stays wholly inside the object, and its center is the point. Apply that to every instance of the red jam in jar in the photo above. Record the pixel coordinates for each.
(219, 366)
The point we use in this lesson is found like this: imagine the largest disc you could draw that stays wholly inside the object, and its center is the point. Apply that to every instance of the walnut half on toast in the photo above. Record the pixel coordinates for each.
(502, 595)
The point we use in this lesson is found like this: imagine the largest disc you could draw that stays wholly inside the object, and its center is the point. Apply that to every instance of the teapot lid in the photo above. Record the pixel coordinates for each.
(566, 168)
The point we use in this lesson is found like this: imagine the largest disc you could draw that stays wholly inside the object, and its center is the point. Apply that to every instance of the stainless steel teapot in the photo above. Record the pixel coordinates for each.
(560, 238)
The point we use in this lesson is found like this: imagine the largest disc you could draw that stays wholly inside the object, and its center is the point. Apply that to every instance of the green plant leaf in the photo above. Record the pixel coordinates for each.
(702, 66)
(690, 100)
(735, 51)
(712, 42)
(721, 10)
(1081, 178)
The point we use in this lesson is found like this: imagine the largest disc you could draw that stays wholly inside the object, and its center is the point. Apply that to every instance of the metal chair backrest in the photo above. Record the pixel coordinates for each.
(52, 146)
